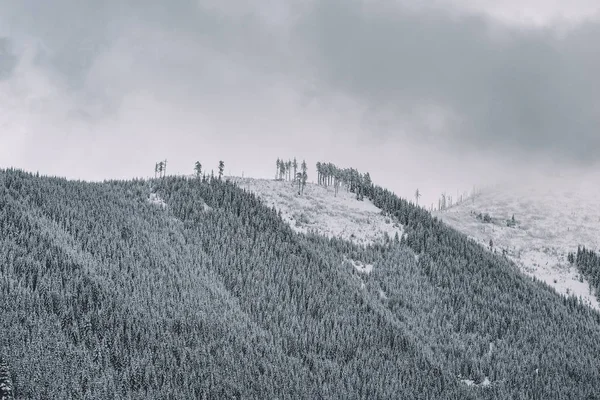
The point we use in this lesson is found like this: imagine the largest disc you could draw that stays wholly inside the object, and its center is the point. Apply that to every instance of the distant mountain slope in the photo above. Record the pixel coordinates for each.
(183, 288)
(549, 224)
(318, 209)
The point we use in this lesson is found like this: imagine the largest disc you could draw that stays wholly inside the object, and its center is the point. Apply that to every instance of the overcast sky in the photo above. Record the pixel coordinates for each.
(438, 96)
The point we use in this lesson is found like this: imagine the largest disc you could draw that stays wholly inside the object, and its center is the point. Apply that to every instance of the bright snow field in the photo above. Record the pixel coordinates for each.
(319, 209)
(550, 222)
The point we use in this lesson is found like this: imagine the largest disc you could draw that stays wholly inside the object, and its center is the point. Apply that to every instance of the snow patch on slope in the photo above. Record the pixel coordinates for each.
(362, 267)
(319, 210)
(156, 200)
(550, 222)
(484, 383)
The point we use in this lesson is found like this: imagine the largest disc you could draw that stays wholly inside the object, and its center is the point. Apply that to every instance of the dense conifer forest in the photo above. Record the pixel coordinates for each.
(588, 264)
(106, 295)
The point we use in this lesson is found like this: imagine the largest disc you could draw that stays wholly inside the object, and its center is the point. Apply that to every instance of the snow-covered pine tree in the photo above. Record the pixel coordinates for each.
(295, 166)
(299, 180)
(319, 173)
(281, 169)
(6, 385)
(304, 174)
(368, 184)
(221, 169)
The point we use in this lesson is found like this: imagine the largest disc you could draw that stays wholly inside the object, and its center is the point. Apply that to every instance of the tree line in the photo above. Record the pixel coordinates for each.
(160, 170)
(328, 174)
(290, 171)
(588, 265)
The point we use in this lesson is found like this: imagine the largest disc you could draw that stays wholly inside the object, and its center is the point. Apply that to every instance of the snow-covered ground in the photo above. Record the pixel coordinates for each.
(156, 200)
(318, 209)
(469, 382)
(551, 221)
(361, 267)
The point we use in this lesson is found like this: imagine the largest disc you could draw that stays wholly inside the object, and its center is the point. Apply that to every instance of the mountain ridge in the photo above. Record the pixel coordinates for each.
(229, 301)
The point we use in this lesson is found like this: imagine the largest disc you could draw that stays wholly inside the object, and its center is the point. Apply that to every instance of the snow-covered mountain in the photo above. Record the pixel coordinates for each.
(549, 222)
(320, 210)
(179, 268)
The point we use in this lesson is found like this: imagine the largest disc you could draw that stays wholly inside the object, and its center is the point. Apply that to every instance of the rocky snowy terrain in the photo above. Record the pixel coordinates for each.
(319, 209)
(549, 222)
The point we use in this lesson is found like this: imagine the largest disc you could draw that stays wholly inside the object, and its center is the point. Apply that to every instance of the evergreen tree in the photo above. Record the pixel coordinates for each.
(368, 185)
(288, 167)
(281, 170)
(198, 169)
(221, 169)
(304, 174)
(295, 166)
(6, 385)
(299, 179)
(319, 173)
(161, 169)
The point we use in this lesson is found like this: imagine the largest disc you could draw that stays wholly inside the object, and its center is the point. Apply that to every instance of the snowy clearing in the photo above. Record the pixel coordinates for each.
(549, 223)
(361, 267)
(319, 210)
(155, 199)
(484, 383)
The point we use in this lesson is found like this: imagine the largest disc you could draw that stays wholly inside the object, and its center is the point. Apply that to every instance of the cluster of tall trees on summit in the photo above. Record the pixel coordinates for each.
(287, 170)
(353, 181)
(160, 170)
(198, 170)
(290, 171)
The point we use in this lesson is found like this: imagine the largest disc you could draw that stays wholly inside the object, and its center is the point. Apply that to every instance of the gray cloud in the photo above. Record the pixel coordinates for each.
(513, 89)
(489, 85)
(8, 59)
(379, 85)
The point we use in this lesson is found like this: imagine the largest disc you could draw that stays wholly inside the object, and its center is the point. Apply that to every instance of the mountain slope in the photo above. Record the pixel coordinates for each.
(103, 298)
(319, 209)
(183, 288)
(108, 295)
(550, 222)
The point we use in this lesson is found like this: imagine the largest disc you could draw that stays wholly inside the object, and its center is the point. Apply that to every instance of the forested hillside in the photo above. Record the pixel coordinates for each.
(105, 294)
(536, 225)
(588, 264)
